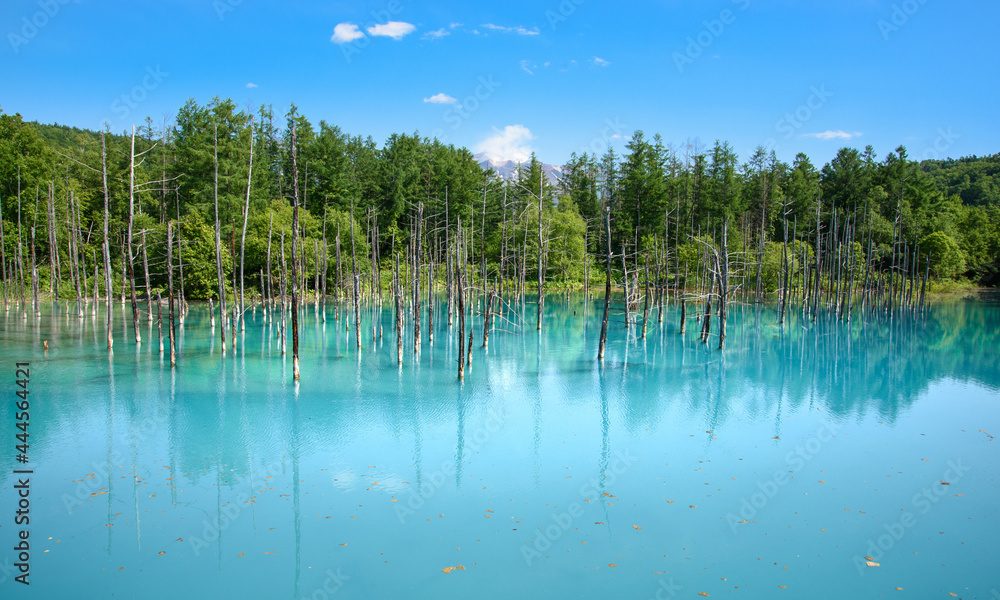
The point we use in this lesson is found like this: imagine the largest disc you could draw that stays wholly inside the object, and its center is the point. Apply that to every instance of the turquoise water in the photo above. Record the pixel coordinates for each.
(771, 468)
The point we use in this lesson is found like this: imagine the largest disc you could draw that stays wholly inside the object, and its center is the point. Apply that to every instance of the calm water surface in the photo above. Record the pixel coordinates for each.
(772, 468)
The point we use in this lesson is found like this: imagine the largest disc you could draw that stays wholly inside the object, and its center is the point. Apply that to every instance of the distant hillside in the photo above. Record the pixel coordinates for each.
(976, 179)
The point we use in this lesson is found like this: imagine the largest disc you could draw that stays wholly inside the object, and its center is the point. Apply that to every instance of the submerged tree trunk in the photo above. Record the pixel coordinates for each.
(295, 270)
(243, 237)
(128, 240)
(105, 246)
(461, 307)
(607, 285)
(171, 331)
(218, 245)
(357, 284)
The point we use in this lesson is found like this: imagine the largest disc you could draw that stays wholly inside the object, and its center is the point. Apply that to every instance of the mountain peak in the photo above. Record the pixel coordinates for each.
(507, 170)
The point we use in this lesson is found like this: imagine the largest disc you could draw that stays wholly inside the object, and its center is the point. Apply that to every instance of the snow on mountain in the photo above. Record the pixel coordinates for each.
(508, 170)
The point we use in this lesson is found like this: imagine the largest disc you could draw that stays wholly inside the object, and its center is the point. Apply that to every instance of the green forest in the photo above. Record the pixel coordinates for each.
(73, 201)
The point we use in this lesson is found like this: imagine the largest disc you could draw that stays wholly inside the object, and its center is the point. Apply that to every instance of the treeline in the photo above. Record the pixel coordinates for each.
(83, 211)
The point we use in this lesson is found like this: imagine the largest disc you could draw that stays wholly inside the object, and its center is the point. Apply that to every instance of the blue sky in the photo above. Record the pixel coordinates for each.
(550, 76)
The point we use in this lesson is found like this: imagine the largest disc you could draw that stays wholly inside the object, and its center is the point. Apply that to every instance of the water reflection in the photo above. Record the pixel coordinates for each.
(226, 450)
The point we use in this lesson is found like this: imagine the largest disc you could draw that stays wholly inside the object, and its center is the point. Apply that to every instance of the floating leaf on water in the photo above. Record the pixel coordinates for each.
(636, 527)
(692, 506)
(703, 594)
(945, 483)
(872, 563)
(784, 587)
(161, 553)
(240, 554)
(612, 565)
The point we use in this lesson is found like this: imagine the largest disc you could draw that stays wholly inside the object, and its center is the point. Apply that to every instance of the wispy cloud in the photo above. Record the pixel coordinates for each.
(345, 32)
(441, 99)
(518, 30)
(600, 62)
(433, 35)
(454, 25)
(394, 29)
(526, 66)
(840, 134)
(252, 85)
(510, 143)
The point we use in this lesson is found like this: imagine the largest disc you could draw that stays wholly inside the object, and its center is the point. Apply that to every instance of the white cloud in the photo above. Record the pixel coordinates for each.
(441, 99)
(345, 32)
(518, 30)
(525, 67)
(252, 85)
(394, 29)
(840, 134)
(600, 62)
(440, 33)
(510, 143)
(454, 25)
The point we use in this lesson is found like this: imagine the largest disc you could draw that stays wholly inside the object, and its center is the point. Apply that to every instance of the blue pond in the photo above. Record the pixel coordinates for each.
(788, 465)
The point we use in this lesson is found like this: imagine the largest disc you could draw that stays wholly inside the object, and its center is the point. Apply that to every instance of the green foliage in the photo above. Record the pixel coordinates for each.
(660, 197)
(946, 256)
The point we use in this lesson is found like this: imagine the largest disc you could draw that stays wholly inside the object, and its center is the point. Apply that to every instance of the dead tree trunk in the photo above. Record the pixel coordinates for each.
(105, 246)
(295, 259)
(218, 244)
(607, 285)
(243, 236)
(128, 240)
(461, 307)
(416, 279)
(170, 293)
(357, 283)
